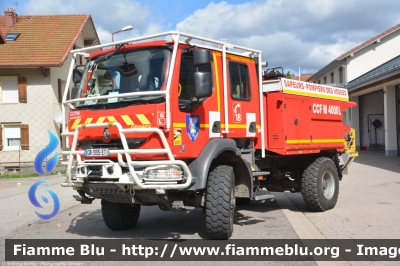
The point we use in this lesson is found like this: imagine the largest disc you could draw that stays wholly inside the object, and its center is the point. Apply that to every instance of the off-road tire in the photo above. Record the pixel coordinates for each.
(220, 202)
(320, 185)
(119, 216)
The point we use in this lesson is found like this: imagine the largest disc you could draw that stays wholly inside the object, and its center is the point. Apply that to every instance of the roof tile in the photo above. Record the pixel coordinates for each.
(44, 41)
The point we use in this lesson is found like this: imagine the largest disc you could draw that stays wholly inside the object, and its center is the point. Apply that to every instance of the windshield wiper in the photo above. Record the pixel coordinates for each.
(142, 99)
(120, 104)
(109, 55)
(125, 104)
(91, 107)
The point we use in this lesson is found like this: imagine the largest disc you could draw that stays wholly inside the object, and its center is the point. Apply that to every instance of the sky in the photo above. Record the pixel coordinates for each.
(293, 34)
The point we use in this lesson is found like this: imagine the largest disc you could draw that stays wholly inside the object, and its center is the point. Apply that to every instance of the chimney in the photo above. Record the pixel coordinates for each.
(10, 17)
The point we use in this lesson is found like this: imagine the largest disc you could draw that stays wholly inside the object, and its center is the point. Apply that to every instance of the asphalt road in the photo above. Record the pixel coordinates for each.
(85, 221)
(367, 209)
(77, 221)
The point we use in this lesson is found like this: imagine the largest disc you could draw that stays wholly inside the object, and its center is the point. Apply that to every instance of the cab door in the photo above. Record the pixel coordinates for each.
(195, 120)
(243, 103)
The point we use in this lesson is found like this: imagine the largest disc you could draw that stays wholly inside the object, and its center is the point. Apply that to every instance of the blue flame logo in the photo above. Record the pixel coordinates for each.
(35, 202)
(38, 167)
(52, 162)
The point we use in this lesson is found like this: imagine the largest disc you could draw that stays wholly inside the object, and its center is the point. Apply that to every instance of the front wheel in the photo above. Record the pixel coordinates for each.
(320, 185)
(220, 202)
(119, 216)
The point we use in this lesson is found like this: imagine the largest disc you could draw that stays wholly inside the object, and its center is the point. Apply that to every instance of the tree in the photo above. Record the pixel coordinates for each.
(288, 76)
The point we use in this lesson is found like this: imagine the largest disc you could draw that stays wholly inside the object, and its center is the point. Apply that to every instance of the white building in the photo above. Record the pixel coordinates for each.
(34, 64)
(371, 73)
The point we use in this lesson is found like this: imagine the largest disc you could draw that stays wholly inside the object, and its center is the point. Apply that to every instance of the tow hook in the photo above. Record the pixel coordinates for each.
(132, 193)
(83, 198)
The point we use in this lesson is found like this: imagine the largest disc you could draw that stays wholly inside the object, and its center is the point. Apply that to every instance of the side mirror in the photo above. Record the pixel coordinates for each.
(201, 57)
(203, 84)
(77, 75)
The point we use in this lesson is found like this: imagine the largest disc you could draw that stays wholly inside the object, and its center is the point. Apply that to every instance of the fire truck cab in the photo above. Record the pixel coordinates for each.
(181, 121)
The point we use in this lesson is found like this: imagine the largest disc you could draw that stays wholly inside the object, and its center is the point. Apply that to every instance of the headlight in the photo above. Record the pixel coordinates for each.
(163, 172)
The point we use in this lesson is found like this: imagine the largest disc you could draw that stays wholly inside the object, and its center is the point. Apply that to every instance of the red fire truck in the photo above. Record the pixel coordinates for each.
(181, 121)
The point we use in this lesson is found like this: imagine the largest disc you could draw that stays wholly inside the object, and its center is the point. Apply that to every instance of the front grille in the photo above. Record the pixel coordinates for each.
(95, 172)
(114, 144)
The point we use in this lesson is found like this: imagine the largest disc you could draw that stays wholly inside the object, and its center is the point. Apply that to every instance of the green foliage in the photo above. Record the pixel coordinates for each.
(288, 76)
(18, 176)
(10, 176)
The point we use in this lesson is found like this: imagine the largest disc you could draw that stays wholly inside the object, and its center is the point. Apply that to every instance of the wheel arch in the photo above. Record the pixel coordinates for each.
(217, 152)
(242, 171)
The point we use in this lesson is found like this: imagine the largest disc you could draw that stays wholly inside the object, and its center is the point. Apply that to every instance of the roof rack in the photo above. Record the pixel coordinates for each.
(175, 37)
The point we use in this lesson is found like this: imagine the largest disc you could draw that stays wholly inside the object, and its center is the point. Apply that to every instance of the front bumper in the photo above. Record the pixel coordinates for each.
(125, 174)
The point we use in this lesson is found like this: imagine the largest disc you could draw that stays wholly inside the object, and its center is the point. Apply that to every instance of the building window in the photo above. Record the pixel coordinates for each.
(340, 75)
(79, 57)
(239, 81)
(9, 89)
(12, 36)
(325, 80)
(14, 136)
(332, 78)
(13, 89)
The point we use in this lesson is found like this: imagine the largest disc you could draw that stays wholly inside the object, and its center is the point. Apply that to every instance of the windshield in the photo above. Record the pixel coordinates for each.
(124, 72)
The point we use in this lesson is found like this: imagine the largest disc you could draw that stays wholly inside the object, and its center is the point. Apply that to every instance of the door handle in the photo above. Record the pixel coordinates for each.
(216, 127)
(252, 127)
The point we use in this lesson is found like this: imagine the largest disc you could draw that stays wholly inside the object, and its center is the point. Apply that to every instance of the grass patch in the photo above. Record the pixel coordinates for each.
(10, 176)
(18, 176)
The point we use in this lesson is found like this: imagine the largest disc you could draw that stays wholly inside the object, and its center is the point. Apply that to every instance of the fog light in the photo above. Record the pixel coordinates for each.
(163, 172)
(83, 170)
(110, 170)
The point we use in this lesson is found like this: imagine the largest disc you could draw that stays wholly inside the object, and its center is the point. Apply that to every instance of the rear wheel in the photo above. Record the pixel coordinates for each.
(320, 185)
(220, 202)
(119, 216)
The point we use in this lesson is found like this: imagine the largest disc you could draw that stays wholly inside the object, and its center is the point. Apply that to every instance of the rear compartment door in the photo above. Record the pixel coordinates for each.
(297, 121)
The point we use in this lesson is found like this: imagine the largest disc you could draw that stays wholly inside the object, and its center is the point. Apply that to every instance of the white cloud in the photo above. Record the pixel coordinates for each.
(291, 33)
(309, 33)
(321, 10)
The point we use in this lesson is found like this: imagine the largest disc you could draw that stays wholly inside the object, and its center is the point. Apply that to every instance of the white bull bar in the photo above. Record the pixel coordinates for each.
(127, 152)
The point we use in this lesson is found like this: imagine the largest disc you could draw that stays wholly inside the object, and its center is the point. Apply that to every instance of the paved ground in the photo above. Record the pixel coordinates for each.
(17, 212)
(369, 200)
(367, 209)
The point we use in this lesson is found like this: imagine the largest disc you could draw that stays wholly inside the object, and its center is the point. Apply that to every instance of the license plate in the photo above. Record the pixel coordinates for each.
(97, 152)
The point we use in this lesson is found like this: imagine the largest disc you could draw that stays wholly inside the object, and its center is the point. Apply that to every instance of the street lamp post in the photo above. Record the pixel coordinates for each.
(126, 28)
